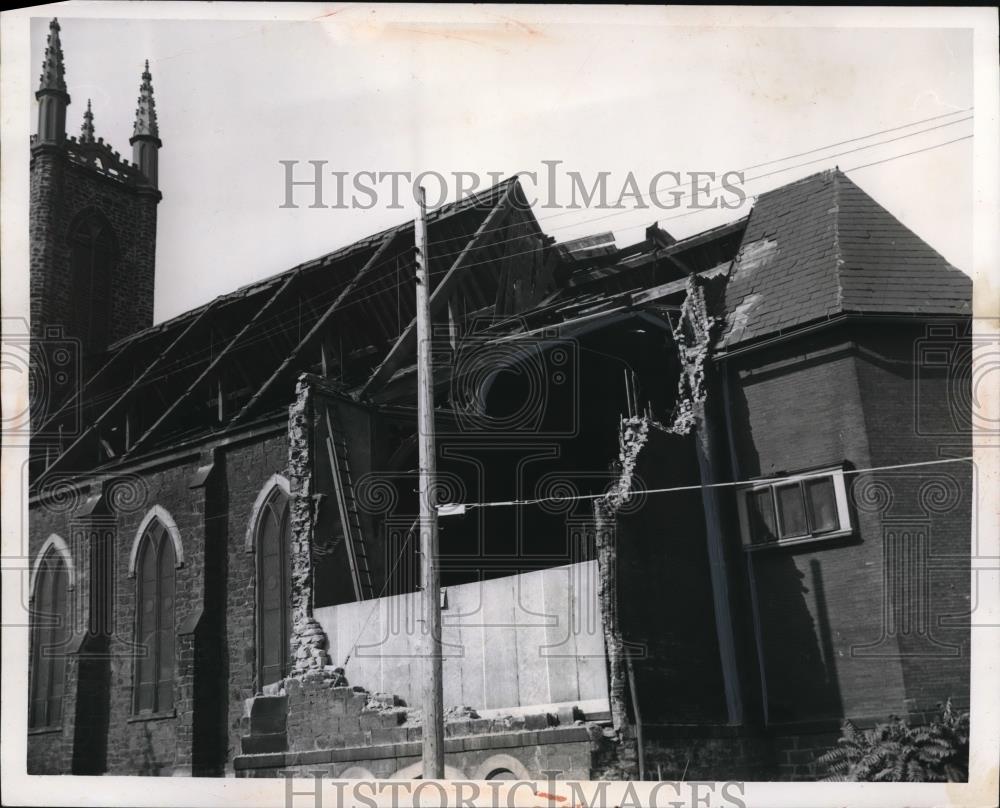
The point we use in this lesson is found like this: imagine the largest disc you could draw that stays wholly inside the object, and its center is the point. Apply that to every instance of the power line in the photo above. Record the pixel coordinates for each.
(456, 508)
(845, 170)
(781, 170)
(915, 151)
(809, 151)
(460, 507)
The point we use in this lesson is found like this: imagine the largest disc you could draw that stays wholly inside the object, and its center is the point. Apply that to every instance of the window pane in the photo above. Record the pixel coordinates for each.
(145, 622)
(45, 615)
(273, 614)
(49, 638)
(40, 668)
(165, 638)
(822, 505)
(791, 510)
(58, 641)
(761, 515)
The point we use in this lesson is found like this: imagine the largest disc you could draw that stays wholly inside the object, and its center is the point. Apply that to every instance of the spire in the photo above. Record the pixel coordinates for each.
(145, 113)
(53, 76)
(145, 138)
(87, 130)
(52, 96)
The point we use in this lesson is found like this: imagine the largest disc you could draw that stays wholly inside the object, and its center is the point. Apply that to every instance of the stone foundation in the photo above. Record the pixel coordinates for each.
(318, 721)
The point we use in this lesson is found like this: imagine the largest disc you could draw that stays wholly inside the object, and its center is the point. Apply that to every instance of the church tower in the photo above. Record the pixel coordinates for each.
(92, 220)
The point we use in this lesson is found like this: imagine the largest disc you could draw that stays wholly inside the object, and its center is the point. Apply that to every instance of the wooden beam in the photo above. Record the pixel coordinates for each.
(287, 367)
(118, 402)
(404, 349)
(148, 434)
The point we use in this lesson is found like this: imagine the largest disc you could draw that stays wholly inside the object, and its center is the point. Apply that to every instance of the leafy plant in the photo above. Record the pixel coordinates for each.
(896, 752)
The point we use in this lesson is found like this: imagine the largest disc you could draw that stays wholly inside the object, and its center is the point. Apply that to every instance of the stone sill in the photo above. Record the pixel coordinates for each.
(152, 716)
(552, 735)
(820, 537)
(45, 730)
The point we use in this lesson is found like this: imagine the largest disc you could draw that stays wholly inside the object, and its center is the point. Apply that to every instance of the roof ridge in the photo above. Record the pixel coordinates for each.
(808, 178)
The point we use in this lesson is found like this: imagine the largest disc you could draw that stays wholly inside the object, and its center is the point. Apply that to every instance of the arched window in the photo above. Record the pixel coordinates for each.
(94, 252)
(49, 637)
(273, 614)
(154, 623)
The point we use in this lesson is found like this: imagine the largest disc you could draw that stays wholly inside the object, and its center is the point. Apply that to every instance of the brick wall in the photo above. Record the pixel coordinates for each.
(214, 615)
(917, 409)
(247, 469)
(848, 396)
(150, 746)
(332, 728)
(722, 753)
(60, 191)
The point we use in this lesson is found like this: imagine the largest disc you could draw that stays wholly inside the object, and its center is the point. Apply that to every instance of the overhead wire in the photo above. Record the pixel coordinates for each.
(279, 317)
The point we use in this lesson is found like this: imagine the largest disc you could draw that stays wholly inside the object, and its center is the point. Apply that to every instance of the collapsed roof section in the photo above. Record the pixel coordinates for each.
(348, 315)
(809, 251)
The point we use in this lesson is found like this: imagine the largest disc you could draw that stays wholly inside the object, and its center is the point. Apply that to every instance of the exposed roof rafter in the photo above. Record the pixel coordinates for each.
(119, 402)
(289, 366)
(225, 353)
(405, 345)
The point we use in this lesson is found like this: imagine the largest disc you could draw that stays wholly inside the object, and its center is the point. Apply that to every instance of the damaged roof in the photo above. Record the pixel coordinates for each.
(822, 247)
(809, 251)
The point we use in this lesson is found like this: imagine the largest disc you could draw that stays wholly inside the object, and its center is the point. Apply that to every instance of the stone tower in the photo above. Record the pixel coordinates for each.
(92, 220)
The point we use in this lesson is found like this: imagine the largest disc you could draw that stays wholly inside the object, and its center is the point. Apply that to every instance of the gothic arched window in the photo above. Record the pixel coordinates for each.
(49, 637)
(154, 623)
(93, 253)
(273, 614)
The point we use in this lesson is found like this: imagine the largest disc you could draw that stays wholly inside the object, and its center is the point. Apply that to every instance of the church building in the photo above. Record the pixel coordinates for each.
(688, 536)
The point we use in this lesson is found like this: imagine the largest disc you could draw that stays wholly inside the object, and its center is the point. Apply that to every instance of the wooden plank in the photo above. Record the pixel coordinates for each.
(345, 523)
(404, 348)
(316, 331)
(558, 654)
(500, 642)
(530, 620)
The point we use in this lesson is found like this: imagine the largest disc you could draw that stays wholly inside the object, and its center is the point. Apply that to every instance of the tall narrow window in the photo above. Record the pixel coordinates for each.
(273, 614)
(94, 252)
(49, 636)
(154, 625)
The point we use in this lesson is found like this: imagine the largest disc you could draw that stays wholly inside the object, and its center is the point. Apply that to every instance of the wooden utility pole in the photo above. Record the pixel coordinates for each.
(433, 706)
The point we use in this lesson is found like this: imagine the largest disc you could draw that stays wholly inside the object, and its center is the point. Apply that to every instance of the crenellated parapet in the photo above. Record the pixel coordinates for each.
(87, 149)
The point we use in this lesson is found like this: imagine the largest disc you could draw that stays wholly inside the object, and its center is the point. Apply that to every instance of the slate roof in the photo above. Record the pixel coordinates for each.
(822, 247)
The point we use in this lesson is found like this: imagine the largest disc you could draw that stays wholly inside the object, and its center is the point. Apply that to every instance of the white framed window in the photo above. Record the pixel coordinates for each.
(805, 507)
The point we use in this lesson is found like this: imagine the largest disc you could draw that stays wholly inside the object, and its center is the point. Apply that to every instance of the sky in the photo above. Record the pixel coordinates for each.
(632, 94)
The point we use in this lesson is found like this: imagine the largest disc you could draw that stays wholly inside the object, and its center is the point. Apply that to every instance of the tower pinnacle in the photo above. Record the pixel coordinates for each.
(87, 130)
(145, 138)
(53, 76)
(145, 113)
(51, 94)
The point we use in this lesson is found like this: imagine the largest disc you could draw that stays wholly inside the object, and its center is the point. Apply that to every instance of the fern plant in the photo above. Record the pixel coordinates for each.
(896, 752)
